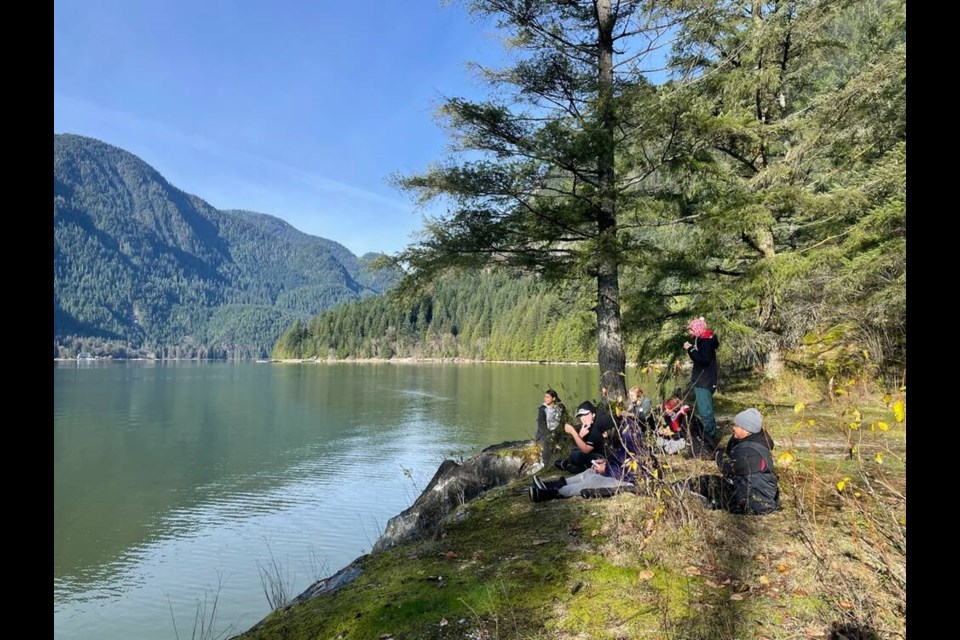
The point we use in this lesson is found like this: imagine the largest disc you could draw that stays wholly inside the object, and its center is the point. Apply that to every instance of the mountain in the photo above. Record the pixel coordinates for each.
(140, 266)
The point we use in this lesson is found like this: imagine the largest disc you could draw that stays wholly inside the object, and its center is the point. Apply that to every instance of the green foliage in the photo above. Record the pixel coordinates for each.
(141, 267)
(491, 315)
(793, 222)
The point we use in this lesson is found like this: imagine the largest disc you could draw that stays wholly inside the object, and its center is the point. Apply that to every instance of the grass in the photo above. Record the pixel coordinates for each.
(656, 565)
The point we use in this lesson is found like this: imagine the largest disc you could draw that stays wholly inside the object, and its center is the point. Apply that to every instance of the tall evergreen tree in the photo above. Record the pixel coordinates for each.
(537, 185)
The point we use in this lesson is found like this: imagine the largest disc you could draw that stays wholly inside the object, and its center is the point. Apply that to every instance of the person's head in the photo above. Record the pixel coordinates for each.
(672, 404)
(747, 422)
(586, 412)
(697, 327)
(550, 396)
(636, 393)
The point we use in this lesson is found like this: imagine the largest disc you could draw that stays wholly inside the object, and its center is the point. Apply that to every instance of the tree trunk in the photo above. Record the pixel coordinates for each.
(773, 368)
(611, 356)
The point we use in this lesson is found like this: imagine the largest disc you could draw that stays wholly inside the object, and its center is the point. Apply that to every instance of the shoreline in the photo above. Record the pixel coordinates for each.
(457, 360)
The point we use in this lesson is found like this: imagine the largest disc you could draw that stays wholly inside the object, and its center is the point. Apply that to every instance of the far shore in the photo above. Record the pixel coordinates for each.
(405, 360)
(410, 360)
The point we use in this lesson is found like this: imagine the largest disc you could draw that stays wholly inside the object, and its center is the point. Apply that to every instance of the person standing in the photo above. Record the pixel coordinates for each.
(703, 353)
(550, 416)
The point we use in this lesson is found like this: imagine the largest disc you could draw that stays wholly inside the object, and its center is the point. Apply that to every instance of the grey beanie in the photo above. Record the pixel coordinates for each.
(749, 420)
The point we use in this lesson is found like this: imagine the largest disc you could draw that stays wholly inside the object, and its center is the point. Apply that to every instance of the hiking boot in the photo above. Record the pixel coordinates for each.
(560, 464)
(538, 483)
(554, 484)
(541, 495)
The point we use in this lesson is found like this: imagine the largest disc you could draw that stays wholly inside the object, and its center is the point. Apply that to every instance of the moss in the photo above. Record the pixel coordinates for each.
(504, 567)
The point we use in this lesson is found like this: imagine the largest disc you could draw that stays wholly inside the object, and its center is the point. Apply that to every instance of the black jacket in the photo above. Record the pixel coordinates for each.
(749, 463)
(704, 356)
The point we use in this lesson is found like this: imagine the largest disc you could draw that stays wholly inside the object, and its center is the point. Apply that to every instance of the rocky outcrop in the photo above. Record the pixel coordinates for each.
(454, 484)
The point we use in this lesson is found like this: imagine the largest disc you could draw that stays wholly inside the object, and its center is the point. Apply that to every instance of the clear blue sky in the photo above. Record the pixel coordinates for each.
(293, 108)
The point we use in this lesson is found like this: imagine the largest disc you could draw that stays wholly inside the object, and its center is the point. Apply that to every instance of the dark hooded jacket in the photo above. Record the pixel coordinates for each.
(749, 463)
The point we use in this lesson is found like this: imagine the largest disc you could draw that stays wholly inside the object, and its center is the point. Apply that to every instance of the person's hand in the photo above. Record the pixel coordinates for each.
(569, 428)
(687, 345)
(584, 431)
(600, 465)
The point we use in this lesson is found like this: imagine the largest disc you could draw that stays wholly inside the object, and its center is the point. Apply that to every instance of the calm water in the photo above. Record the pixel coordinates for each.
(174, 480)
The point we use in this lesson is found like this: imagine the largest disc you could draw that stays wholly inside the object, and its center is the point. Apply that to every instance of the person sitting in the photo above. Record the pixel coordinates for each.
(679, 430)
(588, 438)
(626, 459)
(637, 409)
(749, 484)
(672, 426)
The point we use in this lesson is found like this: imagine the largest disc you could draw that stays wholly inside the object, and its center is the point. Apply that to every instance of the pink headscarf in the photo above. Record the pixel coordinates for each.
(697, 326)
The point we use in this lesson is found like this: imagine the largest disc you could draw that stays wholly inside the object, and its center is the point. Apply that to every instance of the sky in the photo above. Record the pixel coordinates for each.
(297, 109)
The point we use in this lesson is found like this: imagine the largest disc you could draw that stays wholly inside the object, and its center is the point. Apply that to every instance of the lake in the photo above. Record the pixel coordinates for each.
(177, 484)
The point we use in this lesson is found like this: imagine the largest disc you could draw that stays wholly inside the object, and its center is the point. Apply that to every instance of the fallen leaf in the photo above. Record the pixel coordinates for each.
(764, 581)
(443, 622)
(760, 558)
(798, 408)
(646, 574)
(736, 596)
(846, 605)
(450, 555)
(712, 584)
(800, 592)
(782, 568)
(539, 542)
(727, 581)
(691, 571)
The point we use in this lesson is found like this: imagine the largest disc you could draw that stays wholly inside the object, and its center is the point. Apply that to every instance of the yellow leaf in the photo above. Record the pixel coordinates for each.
(840, 392)
(900, 410)
(903, 388)
(857, 415)
(764, 581)
(736, 596)
(883, 426)
(866, 354)
(785, 459)
(856, 494)
(782, 568)
(842, 484)
(811, 422)
(886, 399)
(646, 574)
(873, 426)
(798, 408)
(878, 458)
(854, 426)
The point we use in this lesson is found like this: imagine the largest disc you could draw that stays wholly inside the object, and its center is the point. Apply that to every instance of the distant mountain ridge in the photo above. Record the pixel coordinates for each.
(143, 267)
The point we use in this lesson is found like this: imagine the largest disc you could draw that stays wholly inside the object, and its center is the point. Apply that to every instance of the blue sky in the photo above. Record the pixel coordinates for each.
(297, 109)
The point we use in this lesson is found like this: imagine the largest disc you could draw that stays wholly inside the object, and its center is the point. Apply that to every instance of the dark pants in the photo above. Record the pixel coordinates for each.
(578, 461)
(716, 492)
